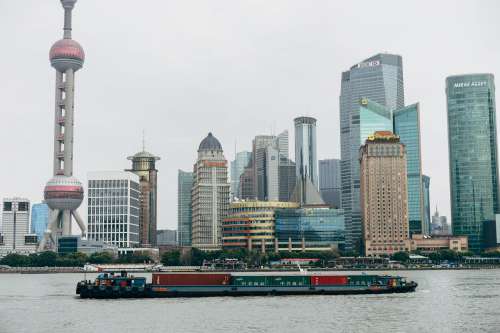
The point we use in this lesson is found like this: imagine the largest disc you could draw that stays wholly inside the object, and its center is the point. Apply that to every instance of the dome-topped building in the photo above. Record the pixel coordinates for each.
(210, 143)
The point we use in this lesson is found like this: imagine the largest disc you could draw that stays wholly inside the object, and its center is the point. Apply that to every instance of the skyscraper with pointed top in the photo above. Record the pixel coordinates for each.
(144, 165)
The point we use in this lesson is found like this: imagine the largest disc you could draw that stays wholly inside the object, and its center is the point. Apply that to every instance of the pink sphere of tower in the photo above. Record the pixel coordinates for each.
(66, 54)
(62, 192)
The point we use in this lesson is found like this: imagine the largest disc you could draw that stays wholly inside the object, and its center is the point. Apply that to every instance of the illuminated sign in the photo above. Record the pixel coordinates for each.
(470, 84)
(372, 63)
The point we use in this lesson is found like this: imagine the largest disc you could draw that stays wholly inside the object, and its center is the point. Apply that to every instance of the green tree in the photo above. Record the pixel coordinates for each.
(15, 260)
(171, 258)
(401, 256)
(42, 259)
(101, 258)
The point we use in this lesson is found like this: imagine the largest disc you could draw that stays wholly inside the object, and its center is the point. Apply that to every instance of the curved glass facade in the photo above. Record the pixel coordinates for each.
(39, 219)
(472, 144)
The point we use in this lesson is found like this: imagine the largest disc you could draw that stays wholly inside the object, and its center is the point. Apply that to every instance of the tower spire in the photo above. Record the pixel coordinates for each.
(68, 7)
(143, 141)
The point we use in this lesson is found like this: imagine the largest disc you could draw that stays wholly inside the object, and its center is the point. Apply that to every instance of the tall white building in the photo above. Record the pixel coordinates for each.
(272, 172)
(113, 207)
(210, 195)
(15, 227)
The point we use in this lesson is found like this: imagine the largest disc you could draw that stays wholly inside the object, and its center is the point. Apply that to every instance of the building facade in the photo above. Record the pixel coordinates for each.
(259, 148)
(329, 181)
(39, 219)
(472, 145)
(144, 166)
(384, 195)
(238, 166)
(113, 210)
(15, 227)
(428, 244)
(251, 225)
(286, 179)
(407, 127)
(210, 195)
(184, 207)
(310, 229)
(439, 225)
(426, 184)
(306, 160)
(166, 237)
(378, 79)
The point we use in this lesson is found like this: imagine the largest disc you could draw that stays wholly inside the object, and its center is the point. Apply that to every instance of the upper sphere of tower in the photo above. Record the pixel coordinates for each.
(66, 54)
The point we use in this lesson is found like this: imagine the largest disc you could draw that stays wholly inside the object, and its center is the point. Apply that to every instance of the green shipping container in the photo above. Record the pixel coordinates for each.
(249, 281)
(361, 280)
(289, 281)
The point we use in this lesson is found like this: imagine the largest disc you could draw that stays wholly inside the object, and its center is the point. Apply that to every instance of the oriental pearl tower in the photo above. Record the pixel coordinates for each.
(64, 193)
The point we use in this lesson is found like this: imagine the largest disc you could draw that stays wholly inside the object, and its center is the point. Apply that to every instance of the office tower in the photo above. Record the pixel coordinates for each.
(379, 79)
(384, 195)
(272, 162)
(143, 165)
(39, 219)
(246, 189)
(426, 182)
(250, 225)
(282, 142)
(184, 212)
(114, 208)
(64, 193)
(238, 166)
(15, 227)
(210, 195)
(287, 179)
(311, 228)
(259, 145)
(439, 225)
(407, 127)
(329, 181)
(166, 237)
(472, 145)
(306, 163)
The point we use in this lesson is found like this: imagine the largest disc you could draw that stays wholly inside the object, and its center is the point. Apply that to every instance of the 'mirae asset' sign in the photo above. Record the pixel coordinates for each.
(470, 84)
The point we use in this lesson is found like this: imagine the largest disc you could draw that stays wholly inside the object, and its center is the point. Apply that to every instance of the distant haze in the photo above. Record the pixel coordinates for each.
(179, 69)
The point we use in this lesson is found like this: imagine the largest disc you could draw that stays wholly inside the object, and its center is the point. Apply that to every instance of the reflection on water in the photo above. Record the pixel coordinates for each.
(445, 301)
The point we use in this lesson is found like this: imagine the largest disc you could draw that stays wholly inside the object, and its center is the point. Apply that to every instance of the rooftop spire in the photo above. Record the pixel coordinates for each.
(68, 7)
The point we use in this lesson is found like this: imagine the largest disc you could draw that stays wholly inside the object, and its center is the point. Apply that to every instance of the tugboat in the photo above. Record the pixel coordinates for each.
(202, 284)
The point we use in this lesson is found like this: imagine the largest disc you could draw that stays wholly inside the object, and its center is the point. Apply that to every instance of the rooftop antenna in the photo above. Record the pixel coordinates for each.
(143, 141)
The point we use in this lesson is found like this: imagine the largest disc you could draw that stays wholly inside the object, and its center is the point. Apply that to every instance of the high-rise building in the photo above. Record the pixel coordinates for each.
(210, 195)
(64, 193)
(166, 237)
(329, 181)
(282, 143)
(272, 172)
(472, 145)
(287, 179)
(439, 225)
(250, 224)
(246, 189)
(310, 228)
(407, 127)
(113, 208)
(384, 195)
(306, 163)
(373, 117)
(426, 183)
(184, 212)
(259, 145)
(379, 79)
(143, 165)
(39, 219)
(15, 227)
(238, 166)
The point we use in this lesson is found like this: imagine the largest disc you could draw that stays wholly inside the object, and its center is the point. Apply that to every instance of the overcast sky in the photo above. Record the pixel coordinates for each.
(179, 69)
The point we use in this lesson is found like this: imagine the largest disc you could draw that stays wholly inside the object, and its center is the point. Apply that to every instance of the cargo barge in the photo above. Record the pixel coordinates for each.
(201, 284)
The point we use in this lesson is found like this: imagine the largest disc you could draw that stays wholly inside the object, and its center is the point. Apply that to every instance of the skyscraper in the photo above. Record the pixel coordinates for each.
(426, 183)
(272, 162)
(379, 79)
(407, 127)
(39, 219)
(15, 227)
(184, 212)
(329, 181)
(241, 161)
(384, 195)
(259, 146)
(64, 193)
(306, 160)
(114, 208)
(287, 179)
(143, 165)
(210, 194)
(472, 145)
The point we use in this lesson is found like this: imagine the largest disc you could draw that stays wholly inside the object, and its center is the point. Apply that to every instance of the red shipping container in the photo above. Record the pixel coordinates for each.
(191, 279)
(325, 280)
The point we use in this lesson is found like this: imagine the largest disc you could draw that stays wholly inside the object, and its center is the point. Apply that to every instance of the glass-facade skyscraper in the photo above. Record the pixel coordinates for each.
(407, 127)
(472, 145)
(239, 164)
(426, 183)
(39, 219)
(306, 161)
(329, 181)
(184, 210)
(379, 79)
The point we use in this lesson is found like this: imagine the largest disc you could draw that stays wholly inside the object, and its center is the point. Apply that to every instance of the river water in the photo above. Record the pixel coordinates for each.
(445, 301)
